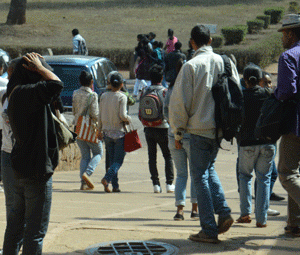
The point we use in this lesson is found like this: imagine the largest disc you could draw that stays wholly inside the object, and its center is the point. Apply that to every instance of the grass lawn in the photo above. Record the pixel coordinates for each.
(114, 24)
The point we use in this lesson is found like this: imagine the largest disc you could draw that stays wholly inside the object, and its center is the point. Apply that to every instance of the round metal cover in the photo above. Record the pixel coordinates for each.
(132, 248)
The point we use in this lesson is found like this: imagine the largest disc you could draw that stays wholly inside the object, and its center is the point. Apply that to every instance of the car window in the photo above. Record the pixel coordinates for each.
(69, 75)
(99, 75)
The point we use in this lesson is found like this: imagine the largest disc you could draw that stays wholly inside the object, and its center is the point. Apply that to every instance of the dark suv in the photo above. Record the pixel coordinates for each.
(69, 67)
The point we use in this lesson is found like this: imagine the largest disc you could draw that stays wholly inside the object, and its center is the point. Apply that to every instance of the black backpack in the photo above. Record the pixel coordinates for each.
(228, 98)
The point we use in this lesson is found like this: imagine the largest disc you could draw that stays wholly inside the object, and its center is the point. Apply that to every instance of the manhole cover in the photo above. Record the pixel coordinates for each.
(132, 248)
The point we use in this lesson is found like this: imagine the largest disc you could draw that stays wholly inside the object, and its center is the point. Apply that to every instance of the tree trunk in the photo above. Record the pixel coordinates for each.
(17, 12)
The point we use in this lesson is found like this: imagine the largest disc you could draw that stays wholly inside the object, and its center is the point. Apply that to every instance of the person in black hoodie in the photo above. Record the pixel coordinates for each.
(31, 88)
(254, 154)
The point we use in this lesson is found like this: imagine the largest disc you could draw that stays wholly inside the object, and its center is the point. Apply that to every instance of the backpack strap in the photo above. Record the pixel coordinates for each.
(227, 65)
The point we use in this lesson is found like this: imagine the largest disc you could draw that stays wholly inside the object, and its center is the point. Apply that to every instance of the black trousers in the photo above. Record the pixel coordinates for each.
(159, 136)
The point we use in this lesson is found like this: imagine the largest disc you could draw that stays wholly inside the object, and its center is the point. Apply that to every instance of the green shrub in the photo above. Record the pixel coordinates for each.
(275, 13)
(234, 35)
(254, 26)
(266, 19)
(293, 7)
(217, 41)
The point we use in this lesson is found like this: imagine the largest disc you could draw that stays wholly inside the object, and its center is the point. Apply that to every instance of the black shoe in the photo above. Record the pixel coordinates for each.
(294, 231)
(116, 190)
(194, 216)
(275, 197)
(224, 224)
(178, 217)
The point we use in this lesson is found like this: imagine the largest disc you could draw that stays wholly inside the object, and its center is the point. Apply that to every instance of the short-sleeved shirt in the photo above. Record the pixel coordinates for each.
(171, 44)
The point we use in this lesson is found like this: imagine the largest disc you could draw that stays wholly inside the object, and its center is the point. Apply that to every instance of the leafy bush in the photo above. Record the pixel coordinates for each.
(217, 41)
(293, 7)
(254, 26)
(234, 35)
(266, 19)
(275, 13)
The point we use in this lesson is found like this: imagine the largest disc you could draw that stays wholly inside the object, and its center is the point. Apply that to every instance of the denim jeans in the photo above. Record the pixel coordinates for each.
(29, 217)
(210, 194)
(159, 136)
(181, 158)
(89, 163)
(258, 158)
(116, 155)
(8, 179)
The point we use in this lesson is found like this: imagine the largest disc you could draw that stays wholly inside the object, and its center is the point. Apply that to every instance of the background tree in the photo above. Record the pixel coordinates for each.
(17, 12)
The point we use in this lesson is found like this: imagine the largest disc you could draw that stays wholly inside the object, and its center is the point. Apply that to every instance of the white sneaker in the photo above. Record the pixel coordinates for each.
(157, 189)
(1, 190)
(170, 188)
(271, 212)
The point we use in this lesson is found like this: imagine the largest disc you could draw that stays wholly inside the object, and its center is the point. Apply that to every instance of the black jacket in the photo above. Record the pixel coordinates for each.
(253, 101)
(35, 153)
(171, 64)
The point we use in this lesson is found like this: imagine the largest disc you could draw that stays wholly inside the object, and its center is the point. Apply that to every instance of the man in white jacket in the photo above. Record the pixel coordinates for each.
(192, 110)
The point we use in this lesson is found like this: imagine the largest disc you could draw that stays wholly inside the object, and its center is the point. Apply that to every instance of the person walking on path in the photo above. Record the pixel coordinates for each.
(112, 120)
(254, 154)
(84, 99)
(156, 134)
(181, 158)
(191, 111)
(289, 148)
(31, 88)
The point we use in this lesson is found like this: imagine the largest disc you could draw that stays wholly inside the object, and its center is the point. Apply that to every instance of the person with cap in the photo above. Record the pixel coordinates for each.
(192, 110)
(30, 90)
(112, 120)
(289, 149)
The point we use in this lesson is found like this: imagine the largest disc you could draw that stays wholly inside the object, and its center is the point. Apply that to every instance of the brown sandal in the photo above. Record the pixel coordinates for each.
(244, 219)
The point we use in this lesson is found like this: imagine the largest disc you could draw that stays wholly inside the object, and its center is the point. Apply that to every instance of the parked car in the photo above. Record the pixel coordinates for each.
(69, 67)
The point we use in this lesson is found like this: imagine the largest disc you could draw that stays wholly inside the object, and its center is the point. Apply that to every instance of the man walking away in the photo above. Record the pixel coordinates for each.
(192, 110)
(289, 149)
(79, 45)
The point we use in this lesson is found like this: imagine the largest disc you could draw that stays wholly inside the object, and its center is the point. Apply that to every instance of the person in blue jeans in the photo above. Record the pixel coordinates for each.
(192, 110)
(84, 99)
(181, 159)
(254, 154)
(31, 88)
(112, 120)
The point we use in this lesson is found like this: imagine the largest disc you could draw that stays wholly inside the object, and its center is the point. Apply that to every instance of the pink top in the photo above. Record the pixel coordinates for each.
(171, 44)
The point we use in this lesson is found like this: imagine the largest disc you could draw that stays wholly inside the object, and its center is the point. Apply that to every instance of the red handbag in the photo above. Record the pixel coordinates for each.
(132, 141)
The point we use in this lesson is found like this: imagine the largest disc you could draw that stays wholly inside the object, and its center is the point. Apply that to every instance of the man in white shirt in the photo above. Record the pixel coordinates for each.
(79, 45)
(192, 110)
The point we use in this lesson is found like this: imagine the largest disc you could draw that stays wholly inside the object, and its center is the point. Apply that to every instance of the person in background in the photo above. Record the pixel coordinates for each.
(190, 51)
(84, 98)
(79, 45)
(112, 120)
(170, 44)
(151, 37)
(31, 88)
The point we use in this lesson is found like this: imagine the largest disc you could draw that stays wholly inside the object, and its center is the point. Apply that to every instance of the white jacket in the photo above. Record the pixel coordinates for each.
(192, 107)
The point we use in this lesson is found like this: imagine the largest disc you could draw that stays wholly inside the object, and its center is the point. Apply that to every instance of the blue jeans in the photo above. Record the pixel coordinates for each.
(258, 158)
(116, 155)
(88, 164)
(210, 194)
(8, 179)
(181, 158)
(29, 217)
